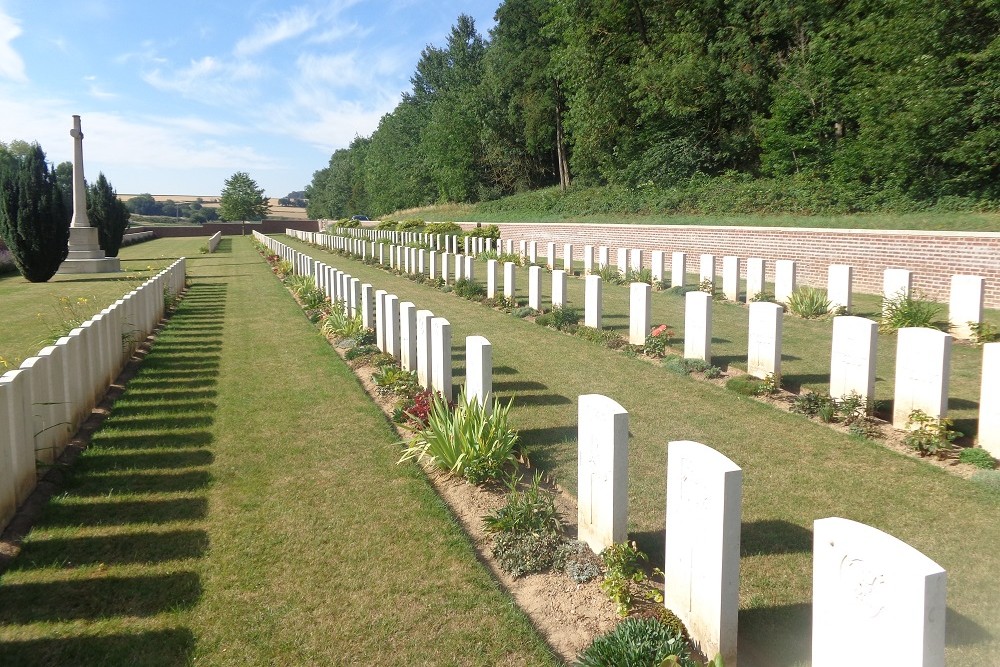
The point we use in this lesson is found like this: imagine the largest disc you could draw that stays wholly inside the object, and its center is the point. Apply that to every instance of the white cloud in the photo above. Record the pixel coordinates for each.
(277, 29)
(210, 80)
(11, 64)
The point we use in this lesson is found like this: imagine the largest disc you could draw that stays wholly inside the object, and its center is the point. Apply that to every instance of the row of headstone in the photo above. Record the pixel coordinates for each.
(922, 356)
(889, 598)
(137, 237)
(471, 245)
(417, 339)
(46, 399)
(214, 240)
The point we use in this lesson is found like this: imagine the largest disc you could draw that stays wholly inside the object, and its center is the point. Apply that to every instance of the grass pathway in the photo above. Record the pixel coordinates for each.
(795, 471)
(242, 505)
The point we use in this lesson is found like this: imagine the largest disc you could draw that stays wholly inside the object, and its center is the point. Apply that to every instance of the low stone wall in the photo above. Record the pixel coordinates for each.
(213, 242)
(231, 228)
(932, 256)
(137, 237)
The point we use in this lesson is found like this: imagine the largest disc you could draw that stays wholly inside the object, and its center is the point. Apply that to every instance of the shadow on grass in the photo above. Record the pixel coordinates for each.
(148, 460)
(523, 400)
(778, 636)
(93, 599)
(179, 440)
(774, 536)
(156, 648)
(128, 548)
(141, 483)
(518, 385)
(794, 382)
(123, 513)
(960, 630)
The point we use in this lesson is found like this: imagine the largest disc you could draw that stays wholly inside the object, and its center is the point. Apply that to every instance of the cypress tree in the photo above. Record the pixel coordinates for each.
(108, 213)
(34, 222)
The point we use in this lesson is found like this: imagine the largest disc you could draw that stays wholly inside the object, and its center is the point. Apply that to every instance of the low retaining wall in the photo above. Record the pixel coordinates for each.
(231, 228)
(932, 256)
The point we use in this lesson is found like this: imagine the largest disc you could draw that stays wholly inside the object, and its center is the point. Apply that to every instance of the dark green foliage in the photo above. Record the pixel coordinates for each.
(469, 289)
(108, 213)
(636, 642)
(747, 385)
(559, 318)
(577, 561)
(360, 351)
(734, 107)
(241, 199)
(34, 222)
(978, 457)
(531, 510)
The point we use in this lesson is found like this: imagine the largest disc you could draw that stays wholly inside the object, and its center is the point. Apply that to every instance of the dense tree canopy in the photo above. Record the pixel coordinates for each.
(241, 199)
(875, 103)
(108, 213)
(34, 222)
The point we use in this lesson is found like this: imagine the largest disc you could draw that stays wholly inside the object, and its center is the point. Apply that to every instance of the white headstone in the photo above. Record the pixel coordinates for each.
(698, 326)
(408, 336)
(432, 264)
(755, 277)
(657, 262)
(889, 598)
(509, 280)
(923, 359)
(622, 261)
(764, 339)
(989, 400)
(896, 283)
(635, 259)
(424, 349)
(731, 278)
(678, 269)
(445, 261)
(550, 255)
(18, 436)
(701, 563)
(588, 260)
(965, 305)
(380, 319)
(640, 312)
(839, 285)
(491, 278)
(568, 258)
(367, 306)
(479, 371)
(533, 252)
(468, 270)
(852, 357)
(459, 267)
(558, 288)
(535, 287)
(706, 269)
(603, 255)
(784, 280)
(602, 463)
(592, 302)
(441, 357)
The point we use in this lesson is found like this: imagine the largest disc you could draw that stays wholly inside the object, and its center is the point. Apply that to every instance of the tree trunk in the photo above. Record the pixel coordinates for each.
(561, 144)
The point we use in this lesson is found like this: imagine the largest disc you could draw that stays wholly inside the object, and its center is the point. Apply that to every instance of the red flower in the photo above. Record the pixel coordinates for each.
(659, 330)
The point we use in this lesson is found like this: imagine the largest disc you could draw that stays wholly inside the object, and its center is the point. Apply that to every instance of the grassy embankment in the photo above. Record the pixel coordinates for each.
(795, 471)
(242, 505)
(716, 205)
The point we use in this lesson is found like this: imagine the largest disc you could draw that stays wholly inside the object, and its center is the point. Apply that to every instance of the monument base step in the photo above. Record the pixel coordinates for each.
(90, 265)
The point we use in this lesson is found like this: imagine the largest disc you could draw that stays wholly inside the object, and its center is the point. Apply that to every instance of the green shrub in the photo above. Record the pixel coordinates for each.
(410, 225)
(638, 642)
(675, 364)
(657, 341)
(468, 442)
(810, 403)
(391, 379)
(487, 232)
(523, 311)
(622, 576)
(762, 297)
(983, 332)
(471, 290)
(929, 435)
(902, 311)
(746, 385)
(713, 372)
(577, 561)
(360, 351)
(610, 275)
(640, 276)
(809, 303)
(978, 457)
(523, 553)
(386, 224)
(449, 228)
(532, 510)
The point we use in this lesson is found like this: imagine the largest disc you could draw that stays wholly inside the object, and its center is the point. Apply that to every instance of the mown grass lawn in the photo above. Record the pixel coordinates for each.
(242, 505)
(795, 471)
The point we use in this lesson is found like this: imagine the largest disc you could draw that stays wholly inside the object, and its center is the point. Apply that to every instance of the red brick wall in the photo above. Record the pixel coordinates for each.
(932, 256)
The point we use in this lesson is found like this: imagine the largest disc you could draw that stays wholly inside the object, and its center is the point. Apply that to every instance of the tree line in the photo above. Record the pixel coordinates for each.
(867, 105)
(196, 211)
(36, 207)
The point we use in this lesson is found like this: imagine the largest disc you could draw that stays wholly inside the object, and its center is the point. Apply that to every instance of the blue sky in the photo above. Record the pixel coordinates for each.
(176, 96)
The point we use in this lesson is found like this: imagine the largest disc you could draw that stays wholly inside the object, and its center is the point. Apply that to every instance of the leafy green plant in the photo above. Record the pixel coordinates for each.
(707, 286)
(577, 561)
(610, 275)
(360, 351)
(930, 436)
(811, 403)
(559, 318)
(747, 385)
(770, 385)
(902, 311)
(679, 661)
(468, 289)
(657, 341)
(523, 553)
(638, 641)
(640, 276)
(468, 442)
(984, 332)
(623, 577)
(532, 510)
(977, 456)
(762, 297)
(522, 311)
(391, 379)
(713, 372)
(809, 303)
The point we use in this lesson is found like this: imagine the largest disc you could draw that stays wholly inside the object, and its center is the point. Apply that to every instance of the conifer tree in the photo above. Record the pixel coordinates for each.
(34, 222)
(108, 213)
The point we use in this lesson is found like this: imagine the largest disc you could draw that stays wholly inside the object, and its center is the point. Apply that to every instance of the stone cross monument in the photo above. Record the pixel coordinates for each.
(85, 254)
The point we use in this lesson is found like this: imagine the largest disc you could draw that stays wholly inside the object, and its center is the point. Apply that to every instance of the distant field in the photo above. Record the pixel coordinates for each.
(277, 212)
